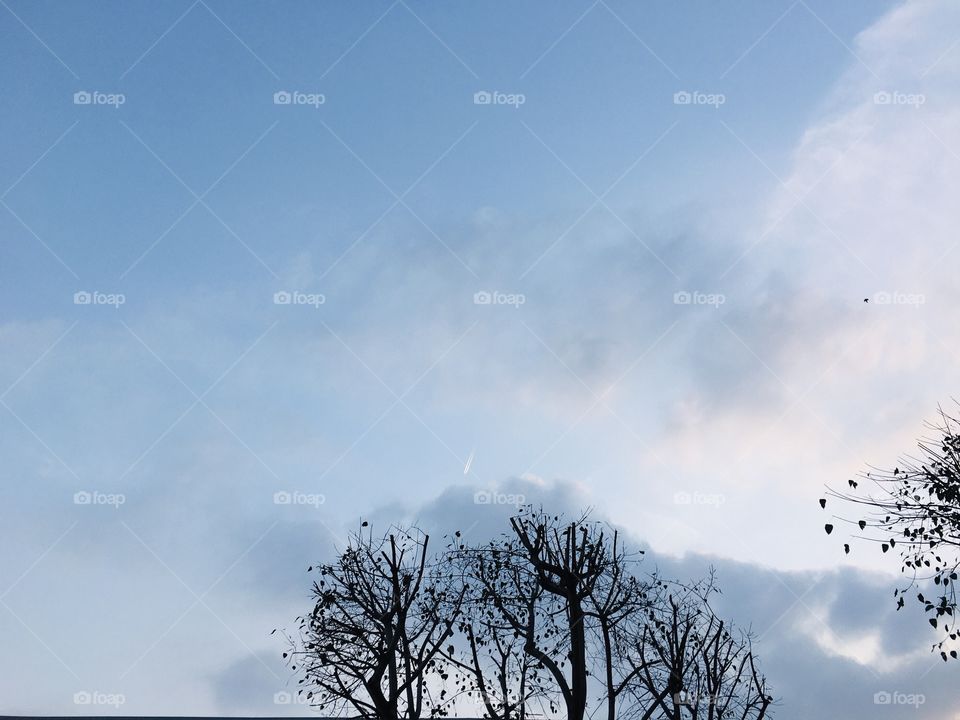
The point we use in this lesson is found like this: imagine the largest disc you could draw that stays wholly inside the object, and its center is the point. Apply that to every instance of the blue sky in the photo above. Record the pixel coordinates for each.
(815, 167)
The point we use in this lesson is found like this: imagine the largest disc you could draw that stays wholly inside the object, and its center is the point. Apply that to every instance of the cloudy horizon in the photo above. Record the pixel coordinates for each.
(269, 269)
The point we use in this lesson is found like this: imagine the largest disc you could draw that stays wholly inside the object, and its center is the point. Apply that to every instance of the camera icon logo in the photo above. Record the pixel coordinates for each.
(82, 298)
(482, 497)
(282, 498)
(282, 698)
(681, 298)
(82, 498)
(482, 97)
(82, 698)
(882, 698)
(282, 298)
(482, 298)
(682, 98)
(882, 98)
(82, 97)
(282, 97)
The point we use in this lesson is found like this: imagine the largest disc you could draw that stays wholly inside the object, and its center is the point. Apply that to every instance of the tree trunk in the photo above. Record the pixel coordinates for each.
(578, 661)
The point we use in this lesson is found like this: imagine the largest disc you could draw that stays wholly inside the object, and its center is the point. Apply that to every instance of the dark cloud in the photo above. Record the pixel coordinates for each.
(799, 619)
(250, 686)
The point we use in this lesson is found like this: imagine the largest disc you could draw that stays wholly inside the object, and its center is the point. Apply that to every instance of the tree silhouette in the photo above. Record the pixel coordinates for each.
(694, 663)
(381, 615)
(503, 607)
(567, 560)
(551, 618)
(614, 605)
(915, 509)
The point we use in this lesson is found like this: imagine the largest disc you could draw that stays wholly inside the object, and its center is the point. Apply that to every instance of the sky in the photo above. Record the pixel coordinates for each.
(268, 269)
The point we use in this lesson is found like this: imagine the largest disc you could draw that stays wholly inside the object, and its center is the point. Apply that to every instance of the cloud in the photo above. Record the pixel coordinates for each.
(599, 377)
(865, 210)
(828, 640)
(249, 686)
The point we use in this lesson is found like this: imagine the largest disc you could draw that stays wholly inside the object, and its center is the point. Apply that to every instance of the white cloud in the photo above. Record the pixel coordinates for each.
(867, 210)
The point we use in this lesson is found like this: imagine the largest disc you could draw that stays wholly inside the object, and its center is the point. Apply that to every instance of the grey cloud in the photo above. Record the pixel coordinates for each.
(809, 679)
(249, 686)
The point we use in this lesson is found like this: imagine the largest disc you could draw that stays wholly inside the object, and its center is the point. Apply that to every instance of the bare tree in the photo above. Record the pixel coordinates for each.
(529, 624)
(499, 671)
(567, 560)
(372, 644)
(615, 602)
(506, 613)
(696, 665)
(915, 509)
(564, 590)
